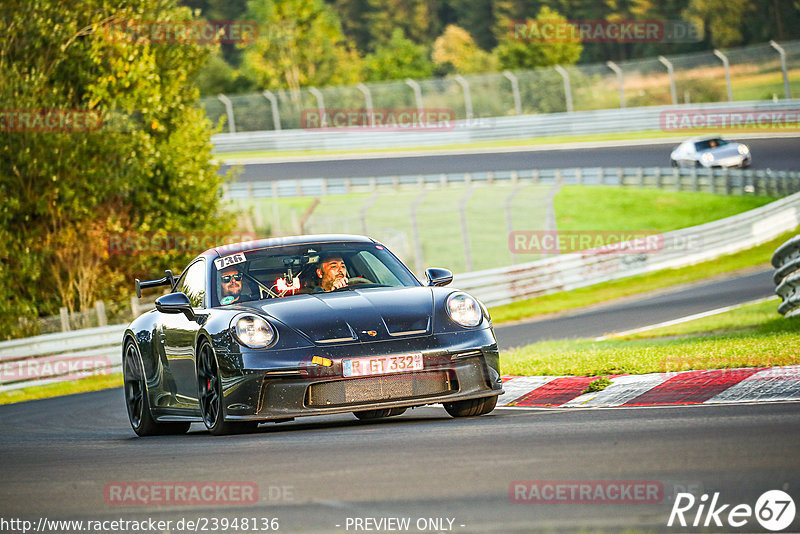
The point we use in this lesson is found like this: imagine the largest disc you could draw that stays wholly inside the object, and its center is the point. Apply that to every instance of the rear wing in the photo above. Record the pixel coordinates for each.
(168, 280)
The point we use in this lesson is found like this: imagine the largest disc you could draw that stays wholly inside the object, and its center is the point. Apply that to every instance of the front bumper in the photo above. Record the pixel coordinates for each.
(452, 371)
(730, 162)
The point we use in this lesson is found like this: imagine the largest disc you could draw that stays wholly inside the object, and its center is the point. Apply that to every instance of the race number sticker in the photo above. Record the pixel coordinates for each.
(227, 261)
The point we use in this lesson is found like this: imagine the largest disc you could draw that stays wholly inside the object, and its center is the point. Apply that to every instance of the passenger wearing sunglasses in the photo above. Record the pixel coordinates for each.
(231, 280)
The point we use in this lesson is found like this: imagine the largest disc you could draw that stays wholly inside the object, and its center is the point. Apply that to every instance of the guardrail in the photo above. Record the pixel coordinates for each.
(720, 181)
(679, 248)
(48, 358)
(487, 129)
(786, 261)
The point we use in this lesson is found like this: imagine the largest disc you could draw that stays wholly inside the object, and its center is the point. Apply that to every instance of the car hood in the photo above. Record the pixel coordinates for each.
(724, 151)
(355, 315)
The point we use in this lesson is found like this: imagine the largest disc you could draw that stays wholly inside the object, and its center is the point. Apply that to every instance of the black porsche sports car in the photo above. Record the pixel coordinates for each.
(274, 329)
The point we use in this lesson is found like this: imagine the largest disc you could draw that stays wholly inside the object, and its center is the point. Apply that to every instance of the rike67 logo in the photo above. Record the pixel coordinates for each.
(774, 511)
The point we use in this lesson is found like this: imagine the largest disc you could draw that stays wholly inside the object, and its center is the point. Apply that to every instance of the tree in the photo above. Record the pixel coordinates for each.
(531, 49)
(146, 167)
(416, 18)
(397, 60)
(456, 49)
(217, 76)
(301, 43)
(477, 18)
(722, 26)
(353, 14)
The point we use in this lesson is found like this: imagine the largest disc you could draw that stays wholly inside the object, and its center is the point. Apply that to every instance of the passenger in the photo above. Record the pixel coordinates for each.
(231, 279)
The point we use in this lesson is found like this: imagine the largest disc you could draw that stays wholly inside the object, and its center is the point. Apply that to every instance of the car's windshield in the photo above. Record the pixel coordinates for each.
(280, 272)
(707, 144)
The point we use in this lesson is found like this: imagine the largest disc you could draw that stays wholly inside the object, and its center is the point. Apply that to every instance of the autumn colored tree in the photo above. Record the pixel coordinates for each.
(400, 58)
(130, 152)
(456, 49)
(300, 43)
(531, 48)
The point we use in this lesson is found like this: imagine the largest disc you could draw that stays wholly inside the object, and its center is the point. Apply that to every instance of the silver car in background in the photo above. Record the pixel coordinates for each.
(710, 151)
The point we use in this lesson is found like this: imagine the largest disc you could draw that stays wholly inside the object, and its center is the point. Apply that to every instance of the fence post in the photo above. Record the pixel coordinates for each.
(727, 68)
(276, 217)
(613, 66)
(786, 91)
(273, 102)
(467, 97)
(417, 93)
(363, 213)
(368, 101)
(100, 307)
(667, 63)
(509, 220)
(64, 313)
(419, 261)
(320, 105)
(462, 207)
(567, 89)
(515, 90)
(135, 308)
(229, 111)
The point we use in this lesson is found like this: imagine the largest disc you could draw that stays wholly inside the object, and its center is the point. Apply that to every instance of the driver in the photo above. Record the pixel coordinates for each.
(332, 272)
(231, 279)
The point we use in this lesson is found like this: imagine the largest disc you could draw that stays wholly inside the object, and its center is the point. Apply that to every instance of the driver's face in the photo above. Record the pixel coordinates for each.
(330, 271)
(232, 287)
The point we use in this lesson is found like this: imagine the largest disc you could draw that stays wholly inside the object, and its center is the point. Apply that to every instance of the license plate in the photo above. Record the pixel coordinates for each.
(382, 365)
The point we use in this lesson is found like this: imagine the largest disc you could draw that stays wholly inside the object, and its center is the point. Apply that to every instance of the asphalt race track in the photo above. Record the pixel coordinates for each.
(62, 457)
(776, 153)
(65, 458)
(638, 312)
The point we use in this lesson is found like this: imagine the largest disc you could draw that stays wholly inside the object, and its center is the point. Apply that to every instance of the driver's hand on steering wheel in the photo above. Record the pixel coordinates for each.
(339, 283)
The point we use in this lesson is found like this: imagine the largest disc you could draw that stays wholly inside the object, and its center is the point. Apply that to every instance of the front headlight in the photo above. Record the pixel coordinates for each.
(743, 150)
(464, 309)
(252, 331)
(708, 157)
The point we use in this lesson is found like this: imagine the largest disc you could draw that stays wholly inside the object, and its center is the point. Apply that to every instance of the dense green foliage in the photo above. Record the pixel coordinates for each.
(365, 30)
(146, 168)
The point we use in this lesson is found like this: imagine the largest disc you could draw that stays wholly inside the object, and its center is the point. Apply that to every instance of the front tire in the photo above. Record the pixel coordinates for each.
(471, 407)
(209, 388)
(136, 400)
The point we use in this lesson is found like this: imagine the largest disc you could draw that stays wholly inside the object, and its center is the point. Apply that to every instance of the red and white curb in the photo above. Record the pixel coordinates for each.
(716, 386)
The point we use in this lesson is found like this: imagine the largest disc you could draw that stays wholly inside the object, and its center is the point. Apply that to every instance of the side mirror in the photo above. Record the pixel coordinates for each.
(438, 277)
(175, 303)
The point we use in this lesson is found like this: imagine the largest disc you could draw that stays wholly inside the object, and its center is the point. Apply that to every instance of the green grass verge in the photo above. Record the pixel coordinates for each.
(68, 387)
(606, 291)
(580, 207)
(753, 335)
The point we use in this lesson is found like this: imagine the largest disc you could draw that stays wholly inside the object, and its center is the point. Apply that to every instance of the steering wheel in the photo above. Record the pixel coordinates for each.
(358, 280)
